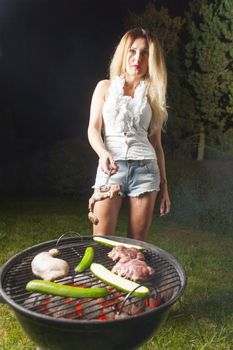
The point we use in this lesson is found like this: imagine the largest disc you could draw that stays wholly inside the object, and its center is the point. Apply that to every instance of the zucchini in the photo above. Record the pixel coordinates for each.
(86, 260)
(118, 282)
(46, 287)
(112, 243)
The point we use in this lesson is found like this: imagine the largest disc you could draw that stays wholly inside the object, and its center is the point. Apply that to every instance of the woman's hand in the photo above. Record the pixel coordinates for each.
(107, 164)
(165, 204)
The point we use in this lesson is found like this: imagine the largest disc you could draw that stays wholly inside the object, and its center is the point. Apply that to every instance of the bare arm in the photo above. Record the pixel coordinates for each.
(165, 200)
(95, 125)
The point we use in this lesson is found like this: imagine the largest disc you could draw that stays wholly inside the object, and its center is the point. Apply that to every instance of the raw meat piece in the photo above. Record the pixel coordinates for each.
(121, 251)
(99, 195)
(45, 266)
(133, 269)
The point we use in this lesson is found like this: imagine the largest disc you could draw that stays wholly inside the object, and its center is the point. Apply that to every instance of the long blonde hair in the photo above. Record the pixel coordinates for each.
(156, 77)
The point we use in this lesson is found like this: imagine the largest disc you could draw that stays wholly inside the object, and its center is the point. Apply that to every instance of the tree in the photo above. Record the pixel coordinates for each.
(209, 69)
(178, 138)
(167, 30)
(159, 23)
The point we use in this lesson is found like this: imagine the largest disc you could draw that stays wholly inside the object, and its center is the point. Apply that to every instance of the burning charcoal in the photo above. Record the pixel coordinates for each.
(35, 301)
(45, 304)
(166, 289)
(133, 308)
(153, 302)
(92, 310)
(101, 308)
(57, 306)
(110, 306)
(120, 316)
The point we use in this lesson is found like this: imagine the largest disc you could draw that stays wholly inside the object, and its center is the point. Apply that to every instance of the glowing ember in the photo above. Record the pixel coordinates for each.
(112, 307)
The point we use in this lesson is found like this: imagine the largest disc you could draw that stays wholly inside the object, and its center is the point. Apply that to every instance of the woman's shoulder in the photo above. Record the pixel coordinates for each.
(103, 85)
(102, 88)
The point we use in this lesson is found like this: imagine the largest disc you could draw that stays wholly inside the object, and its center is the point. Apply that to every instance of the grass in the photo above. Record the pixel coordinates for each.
(202, 320)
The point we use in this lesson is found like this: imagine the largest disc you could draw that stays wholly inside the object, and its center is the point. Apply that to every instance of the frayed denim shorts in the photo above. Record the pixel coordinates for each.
(135, 177)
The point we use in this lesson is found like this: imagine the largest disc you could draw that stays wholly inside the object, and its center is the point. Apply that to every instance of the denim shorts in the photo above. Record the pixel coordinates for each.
(135, 177)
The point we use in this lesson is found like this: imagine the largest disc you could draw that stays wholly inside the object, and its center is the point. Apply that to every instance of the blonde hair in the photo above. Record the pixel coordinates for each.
(156, 77)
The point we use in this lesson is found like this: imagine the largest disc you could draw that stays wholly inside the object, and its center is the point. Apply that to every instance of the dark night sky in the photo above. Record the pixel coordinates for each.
(53, 53)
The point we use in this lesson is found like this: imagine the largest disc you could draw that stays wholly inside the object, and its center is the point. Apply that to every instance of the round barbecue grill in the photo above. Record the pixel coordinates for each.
(118, 321)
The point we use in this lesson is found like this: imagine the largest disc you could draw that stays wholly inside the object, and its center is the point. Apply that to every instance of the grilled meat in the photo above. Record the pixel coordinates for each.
(133, 269)
(45, 266)
(99, 195)
(131, 263)
(121, 251)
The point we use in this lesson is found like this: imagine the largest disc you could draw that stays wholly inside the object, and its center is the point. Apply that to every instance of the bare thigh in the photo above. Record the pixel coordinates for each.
(141, 210)
(107, 211)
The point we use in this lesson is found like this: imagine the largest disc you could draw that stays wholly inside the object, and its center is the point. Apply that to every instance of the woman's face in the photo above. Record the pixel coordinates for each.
(137, 58)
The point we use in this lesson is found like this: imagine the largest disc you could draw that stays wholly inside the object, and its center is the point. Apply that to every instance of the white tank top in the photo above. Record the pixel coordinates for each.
(126, 122)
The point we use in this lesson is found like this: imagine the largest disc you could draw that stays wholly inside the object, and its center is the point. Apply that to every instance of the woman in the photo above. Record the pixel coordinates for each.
(126, 118)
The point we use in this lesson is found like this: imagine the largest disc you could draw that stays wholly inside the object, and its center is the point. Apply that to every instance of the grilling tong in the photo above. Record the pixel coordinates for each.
(106, 187)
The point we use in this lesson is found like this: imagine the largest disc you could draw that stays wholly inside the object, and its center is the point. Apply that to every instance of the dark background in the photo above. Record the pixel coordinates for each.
(52, 55)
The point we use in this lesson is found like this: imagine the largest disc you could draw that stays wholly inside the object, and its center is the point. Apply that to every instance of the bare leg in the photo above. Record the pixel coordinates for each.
(107, 212)
(140, 215)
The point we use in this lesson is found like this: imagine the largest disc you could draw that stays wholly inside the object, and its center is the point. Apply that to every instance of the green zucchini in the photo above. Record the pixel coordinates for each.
(86, 260)
(117, 281)
(112, 243)
(46, 287)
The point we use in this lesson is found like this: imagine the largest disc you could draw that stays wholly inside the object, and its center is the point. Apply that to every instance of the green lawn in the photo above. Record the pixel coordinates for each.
(204, 318)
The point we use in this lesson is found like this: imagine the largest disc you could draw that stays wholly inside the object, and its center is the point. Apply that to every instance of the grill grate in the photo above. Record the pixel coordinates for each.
(165, 282)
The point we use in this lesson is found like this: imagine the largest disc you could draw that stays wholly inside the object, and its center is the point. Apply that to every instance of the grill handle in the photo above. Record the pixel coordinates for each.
(2, 301)
(66, 233)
